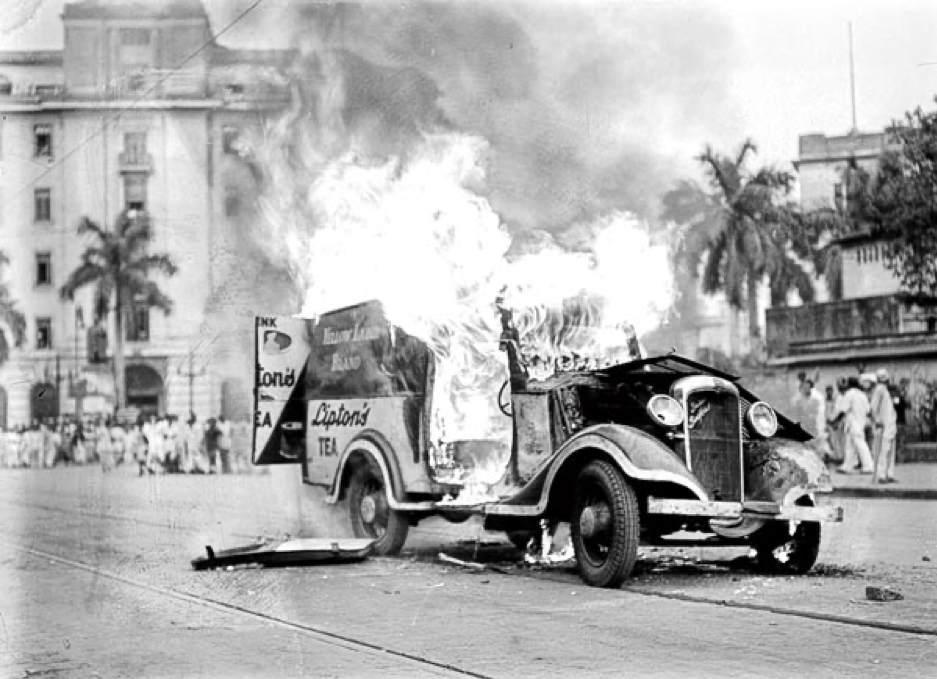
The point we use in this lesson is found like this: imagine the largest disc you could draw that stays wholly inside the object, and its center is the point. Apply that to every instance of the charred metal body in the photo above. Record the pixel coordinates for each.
(642, 449)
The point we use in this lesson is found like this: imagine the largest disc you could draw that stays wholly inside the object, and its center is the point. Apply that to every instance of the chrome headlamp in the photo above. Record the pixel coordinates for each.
(762, 419)
(665, 410)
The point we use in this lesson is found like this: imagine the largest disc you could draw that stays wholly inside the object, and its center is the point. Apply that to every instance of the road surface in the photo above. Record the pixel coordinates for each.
(101, 587)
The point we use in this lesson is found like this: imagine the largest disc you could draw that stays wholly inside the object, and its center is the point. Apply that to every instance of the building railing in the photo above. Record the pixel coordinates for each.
(156, 83)
(133, 161)
(831, 321)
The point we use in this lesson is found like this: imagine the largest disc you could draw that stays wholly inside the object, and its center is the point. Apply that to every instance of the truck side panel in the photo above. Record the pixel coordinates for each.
(281, 351)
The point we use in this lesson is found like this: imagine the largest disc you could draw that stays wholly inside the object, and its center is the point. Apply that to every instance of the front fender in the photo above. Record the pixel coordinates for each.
(638, 455)
(781, 471)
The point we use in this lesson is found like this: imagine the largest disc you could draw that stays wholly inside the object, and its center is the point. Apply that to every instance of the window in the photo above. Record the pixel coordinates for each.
(135, 148)
(43, 268)
(6, 87)
(42, 201)
(47, 90)
(230, 136)
(139, 328)
(232, 202)
(135, 191)
(43, 137)
(839, 196)
(134, 36)
(43, 333)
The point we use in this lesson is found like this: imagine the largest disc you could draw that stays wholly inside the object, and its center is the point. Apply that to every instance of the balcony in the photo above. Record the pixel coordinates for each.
(157, 84)
(132, 161)
(869, 324)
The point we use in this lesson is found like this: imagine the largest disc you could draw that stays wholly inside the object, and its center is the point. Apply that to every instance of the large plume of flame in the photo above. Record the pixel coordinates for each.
(412, 230)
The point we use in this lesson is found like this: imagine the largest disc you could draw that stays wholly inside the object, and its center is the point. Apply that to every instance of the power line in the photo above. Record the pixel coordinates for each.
(107, 121)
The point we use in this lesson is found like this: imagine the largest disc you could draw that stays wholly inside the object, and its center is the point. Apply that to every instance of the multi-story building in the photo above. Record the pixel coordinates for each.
(140, 110)
(874, 325)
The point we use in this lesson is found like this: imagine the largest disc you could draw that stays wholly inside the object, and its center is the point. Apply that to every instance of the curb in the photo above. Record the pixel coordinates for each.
(886, 493)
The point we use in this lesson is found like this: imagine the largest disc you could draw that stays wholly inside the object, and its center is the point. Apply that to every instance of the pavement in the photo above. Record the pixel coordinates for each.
(915, 481)
(99, 585)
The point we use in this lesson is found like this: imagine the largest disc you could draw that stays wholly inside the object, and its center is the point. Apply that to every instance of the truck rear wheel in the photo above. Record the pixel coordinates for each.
(371, 514)
(605, 525)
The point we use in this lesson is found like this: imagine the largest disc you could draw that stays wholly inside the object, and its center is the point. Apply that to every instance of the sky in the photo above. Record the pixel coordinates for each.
(782, 67)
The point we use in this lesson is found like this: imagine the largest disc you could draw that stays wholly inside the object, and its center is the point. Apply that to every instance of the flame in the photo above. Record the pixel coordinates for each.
(414, 232)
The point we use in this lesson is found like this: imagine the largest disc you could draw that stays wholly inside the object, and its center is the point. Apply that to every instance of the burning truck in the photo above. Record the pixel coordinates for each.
(622, 446)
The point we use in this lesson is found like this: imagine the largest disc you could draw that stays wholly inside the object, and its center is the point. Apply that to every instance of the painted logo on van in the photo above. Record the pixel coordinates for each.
(276, 342)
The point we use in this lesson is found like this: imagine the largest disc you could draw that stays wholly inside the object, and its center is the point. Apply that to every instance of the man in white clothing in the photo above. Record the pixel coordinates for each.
(885, 421)
(854, 409)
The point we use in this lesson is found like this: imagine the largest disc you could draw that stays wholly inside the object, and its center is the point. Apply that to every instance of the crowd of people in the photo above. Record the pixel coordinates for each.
(856, 425)
(154, 445)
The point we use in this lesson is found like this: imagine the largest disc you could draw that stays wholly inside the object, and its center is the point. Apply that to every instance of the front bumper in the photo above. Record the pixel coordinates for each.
(768, 511)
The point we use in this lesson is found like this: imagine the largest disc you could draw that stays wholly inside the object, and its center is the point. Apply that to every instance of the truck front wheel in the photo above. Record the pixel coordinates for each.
(787, 547)
(605, 526)
(371, 514)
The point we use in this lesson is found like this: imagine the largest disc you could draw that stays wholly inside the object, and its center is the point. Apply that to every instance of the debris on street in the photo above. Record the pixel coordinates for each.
(470, 565)
(882, 594)
(286, 552)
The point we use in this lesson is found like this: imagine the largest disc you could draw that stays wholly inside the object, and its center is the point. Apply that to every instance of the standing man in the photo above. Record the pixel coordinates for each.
(212, 438)
(224, 444)
(854, 411)
(809, 409)
(885, 421)
(834, 431)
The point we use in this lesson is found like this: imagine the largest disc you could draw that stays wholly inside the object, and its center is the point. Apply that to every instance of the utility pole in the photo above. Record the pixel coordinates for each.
(191, 374)
(852, 81)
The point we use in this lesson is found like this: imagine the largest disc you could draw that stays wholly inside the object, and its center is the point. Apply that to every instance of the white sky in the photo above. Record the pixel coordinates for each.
(790, 73)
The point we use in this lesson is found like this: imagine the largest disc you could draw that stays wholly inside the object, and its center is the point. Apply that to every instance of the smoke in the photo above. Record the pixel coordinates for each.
(588, 109)
(441, 157)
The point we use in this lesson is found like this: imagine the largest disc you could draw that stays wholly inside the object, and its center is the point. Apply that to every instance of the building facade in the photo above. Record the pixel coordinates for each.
(141, 110)
(874, 325)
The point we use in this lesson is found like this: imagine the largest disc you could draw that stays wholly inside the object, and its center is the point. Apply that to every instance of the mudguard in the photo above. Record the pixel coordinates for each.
(639, 456)
(780, 471)
(380, 450)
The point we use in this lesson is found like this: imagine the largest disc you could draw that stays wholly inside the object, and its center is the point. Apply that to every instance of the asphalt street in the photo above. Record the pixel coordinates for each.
(102, 587)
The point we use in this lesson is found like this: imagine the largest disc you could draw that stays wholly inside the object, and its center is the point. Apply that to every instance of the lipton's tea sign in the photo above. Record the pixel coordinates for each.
(281, 351)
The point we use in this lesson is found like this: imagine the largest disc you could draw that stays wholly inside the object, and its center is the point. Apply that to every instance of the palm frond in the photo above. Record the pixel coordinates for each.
(87, 226)
(147, 263)
(87, 273)
(154, 297)
(13, 319)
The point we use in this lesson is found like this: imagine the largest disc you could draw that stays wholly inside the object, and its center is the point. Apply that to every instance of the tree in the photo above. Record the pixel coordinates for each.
(12, 321)
(118, 265)
(741, 230)
(904, 203)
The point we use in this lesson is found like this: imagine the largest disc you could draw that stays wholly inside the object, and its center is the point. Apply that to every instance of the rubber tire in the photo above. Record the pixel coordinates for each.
(807, 539)
(626, 525)
(398, 526)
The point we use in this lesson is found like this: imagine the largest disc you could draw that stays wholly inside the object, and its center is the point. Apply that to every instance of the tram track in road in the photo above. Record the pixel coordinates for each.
(428, 558)
(342, 641)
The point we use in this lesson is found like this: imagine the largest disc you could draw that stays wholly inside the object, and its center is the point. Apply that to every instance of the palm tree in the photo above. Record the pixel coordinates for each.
(10, 317)
(118, 265)
(741, 230)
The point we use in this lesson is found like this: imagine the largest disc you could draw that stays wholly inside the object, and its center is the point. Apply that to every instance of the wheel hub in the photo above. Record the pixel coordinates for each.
(593, 520)
(368, 509)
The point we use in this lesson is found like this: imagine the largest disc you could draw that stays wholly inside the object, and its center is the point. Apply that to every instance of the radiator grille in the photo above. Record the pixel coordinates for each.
(713, 442)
